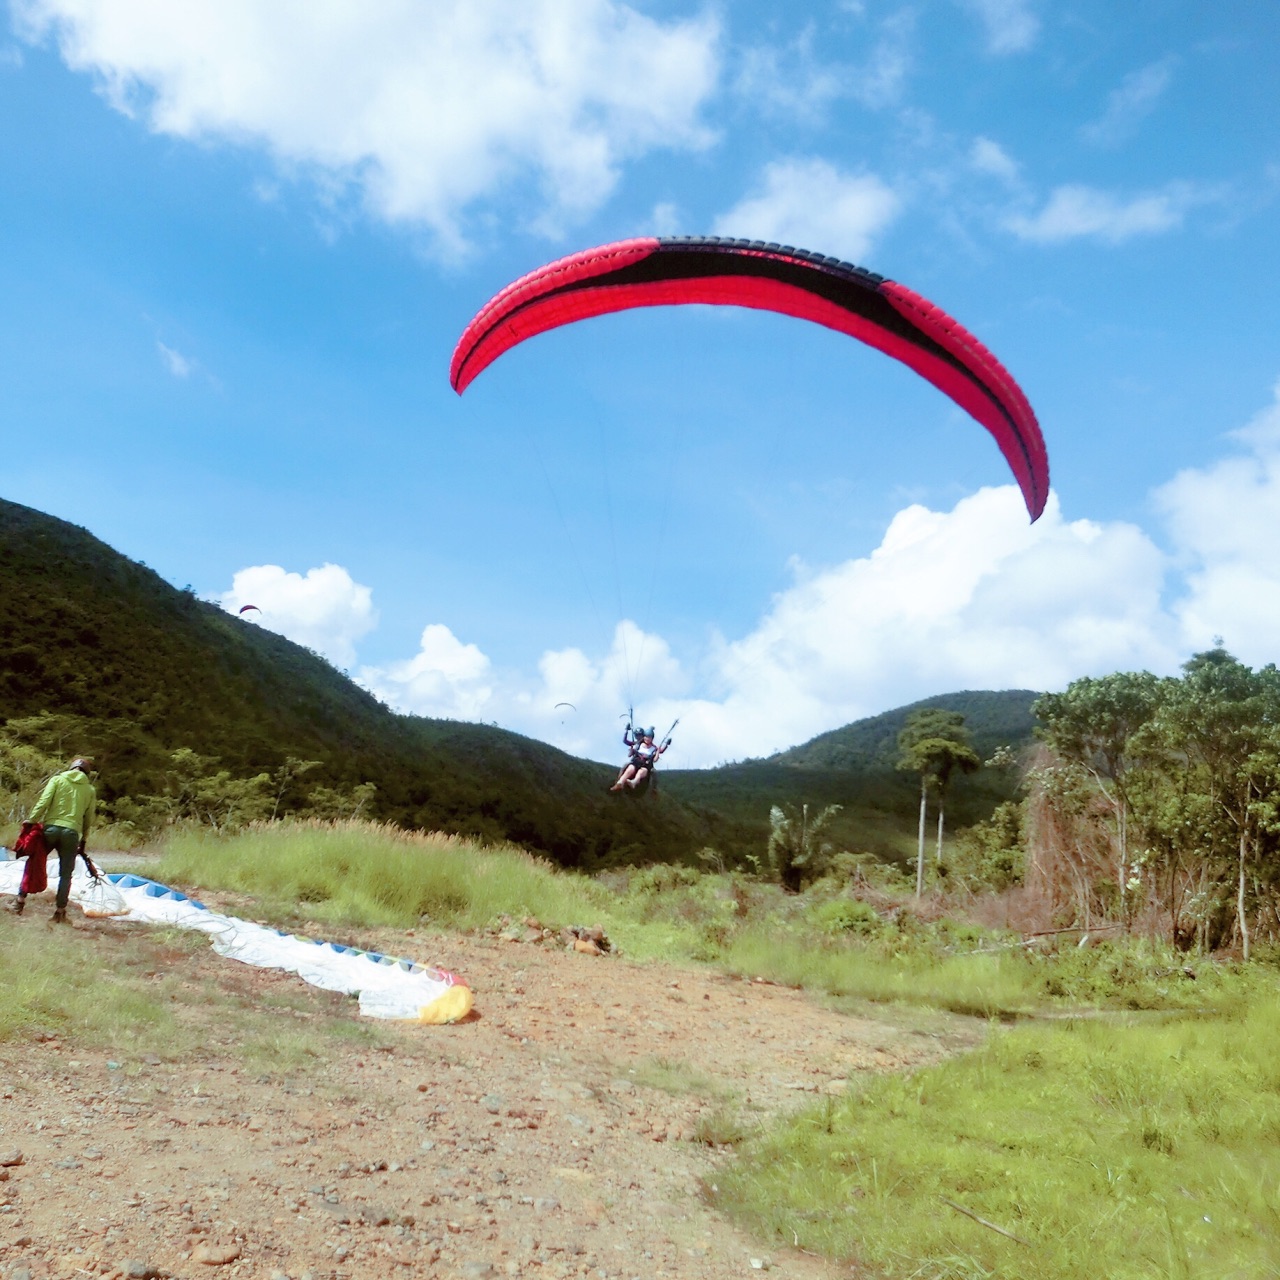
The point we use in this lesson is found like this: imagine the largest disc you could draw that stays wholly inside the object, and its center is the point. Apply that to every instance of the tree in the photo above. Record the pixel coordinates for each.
(1180, 775)
(1095, 724)
(288, 773)
(934, 744)
(199, 790)
(1225, 718)
(990, 854)
(332, 805)
(24, 767)
(956, 758)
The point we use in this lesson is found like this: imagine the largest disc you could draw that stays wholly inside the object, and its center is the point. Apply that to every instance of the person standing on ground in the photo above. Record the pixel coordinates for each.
(66, 809)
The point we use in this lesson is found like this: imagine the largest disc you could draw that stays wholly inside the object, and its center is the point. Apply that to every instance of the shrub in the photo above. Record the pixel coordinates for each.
(847, 915)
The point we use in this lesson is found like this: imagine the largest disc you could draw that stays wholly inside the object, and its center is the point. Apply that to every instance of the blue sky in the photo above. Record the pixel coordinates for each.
(239, 243)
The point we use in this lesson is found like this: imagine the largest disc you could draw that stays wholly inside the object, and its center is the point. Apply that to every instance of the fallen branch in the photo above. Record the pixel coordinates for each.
(969, 1213)
(1074, 928)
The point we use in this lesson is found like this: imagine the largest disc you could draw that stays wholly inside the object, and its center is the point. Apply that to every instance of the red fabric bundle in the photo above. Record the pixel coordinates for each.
(31, 845)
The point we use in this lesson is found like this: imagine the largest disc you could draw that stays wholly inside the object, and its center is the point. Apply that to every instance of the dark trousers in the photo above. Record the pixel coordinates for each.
(64, 841)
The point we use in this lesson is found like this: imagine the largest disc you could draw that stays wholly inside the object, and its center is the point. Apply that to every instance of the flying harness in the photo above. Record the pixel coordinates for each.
(646, 758)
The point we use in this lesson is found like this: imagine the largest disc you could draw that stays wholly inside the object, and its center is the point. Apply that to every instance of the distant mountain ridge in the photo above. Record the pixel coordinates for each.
(855, 767)
(994, 718)
(133, 668)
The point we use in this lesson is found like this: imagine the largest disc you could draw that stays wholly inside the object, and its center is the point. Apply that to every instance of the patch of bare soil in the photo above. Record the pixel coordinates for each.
(561, 1132)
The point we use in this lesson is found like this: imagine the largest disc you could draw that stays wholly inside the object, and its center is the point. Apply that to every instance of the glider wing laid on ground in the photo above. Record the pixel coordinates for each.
(386, 986)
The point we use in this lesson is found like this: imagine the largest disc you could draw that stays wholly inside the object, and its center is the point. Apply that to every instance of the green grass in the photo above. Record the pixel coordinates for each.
(159, 991)
(1146, 1150)
(363, 874)
(925, 967)
(963, 983)
(54, 982)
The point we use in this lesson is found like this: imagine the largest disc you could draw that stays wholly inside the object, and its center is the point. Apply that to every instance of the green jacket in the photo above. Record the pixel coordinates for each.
(68, 800)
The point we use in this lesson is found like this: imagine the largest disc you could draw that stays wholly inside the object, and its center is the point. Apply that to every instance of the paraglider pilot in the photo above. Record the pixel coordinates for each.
(644, 756)
(65, 807)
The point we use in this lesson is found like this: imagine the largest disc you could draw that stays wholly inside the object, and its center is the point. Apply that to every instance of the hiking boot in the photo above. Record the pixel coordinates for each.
(60, 916)
(16, 906)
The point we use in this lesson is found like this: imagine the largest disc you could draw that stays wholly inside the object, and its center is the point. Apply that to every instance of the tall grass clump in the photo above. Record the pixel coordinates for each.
(1127, 1151)
(371, 874)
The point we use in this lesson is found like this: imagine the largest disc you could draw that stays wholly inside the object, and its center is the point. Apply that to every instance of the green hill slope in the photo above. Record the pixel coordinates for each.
(993, 719)
(133, 669)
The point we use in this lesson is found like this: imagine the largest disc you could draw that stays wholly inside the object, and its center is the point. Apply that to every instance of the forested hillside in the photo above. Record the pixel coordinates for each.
(992, 719)
(99, 654)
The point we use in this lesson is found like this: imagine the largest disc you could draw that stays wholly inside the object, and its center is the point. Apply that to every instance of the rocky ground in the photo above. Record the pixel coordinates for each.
(573, 1127)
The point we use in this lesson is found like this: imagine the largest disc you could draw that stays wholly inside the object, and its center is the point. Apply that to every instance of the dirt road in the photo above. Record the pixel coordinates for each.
(561, 1132)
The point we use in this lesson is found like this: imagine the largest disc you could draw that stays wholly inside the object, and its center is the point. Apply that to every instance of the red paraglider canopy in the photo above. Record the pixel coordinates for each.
(650, 272)
(244, 608)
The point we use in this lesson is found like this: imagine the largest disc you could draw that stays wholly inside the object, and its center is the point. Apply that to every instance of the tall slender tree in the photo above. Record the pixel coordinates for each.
(935, 745)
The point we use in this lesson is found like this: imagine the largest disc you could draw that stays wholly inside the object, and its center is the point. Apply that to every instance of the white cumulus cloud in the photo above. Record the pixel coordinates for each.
(324, 609)
(445, 678)
(1224, 520)
(423, 108)
(573, 700)
(1076, 212)
(974, 597)
(811, 204)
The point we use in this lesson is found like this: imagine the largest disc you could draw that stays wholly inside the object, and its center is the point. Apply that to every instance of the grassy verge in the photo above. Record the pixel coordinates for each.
(361, 874)
(54, 983)
(986, 985)
(1120, 1151)
(151, 991)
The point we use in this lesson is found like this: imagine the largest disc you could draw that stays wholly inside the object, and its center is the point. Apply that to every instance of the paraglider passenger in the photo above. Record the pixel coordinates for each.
(644, 756)
(66, 809)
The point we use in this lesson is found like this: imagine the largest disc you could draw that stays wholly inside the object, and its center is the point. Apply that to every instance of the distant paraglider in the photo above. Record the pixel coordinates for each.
(650, 271)
(246, 607)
